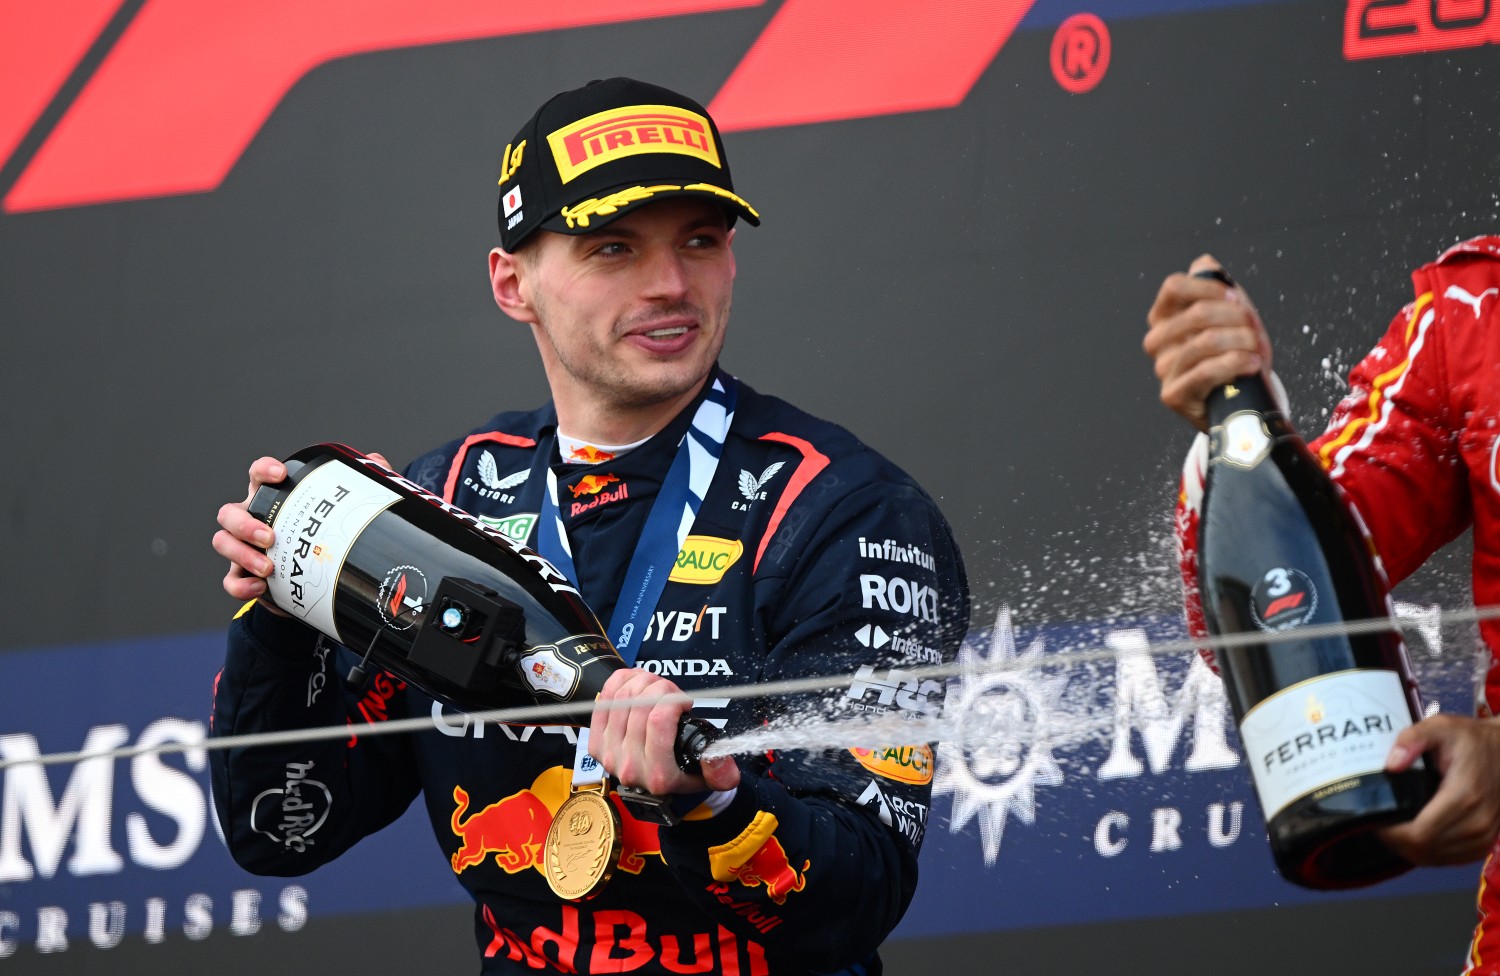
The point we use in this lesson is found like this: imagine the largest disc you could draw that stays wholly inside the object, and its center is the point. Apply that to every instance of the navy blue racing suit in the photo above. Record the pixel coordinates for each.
(811, 555)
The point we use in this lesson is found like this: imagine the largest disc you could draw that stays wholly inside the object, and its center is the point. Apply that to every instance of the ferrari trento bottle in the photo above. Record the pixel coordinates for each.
(429, 593)
(1279, 549)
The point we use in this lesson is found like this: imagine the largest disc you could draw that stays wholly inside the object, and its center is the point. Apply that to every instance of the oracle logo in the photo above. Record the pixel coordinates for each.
(180, 94)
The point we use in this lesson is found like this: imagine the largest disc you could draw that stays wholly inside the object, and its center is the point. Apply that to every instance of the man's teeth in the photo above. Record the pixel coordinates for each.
(667, 333)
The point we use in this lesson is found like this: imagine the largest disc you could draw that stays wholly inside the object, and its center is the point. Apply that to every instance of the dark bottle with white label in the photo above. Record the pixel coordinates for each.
(1280, 548)
(430, 593)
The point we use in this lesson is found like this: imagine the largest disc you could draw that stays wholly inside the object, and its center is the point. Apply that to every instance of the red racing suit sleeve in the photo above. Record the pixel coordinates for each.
(287, 809)
(816, 856)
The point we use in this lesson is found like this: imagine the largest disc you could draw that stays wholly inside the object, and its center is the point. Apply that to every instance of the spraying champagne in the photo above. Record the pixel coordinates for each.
(1280, 548)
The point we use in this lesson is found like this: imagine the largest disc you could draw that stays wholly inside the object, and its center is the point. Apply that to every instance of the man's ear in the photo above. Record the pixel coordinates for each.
(506, 282)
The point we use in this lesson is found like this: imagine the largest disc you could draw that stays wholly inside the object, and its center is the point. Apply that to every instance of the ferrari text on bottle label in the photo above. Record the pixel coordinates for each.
(1321, 732)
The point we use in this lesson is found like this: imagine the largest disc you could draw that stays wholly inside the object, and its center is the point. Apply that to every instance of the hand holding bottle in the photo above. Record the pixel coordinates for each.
(638, 744)
(1459, 824)
(1203, 334)
(242, 538)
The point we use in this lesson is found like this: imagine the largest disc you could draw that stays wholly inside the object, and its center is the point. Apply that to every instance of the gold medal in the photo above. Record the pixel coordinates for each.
(583, 844)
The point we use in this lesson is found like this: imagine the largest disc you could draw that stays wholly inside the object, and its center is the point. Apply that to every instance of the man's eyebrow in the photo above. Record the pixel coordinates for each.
(614, 232)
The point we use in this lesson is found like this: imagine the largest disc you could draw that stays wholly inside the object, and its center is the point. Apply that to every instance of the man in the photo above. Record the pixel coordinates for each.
(751, 543)
(1416, 446)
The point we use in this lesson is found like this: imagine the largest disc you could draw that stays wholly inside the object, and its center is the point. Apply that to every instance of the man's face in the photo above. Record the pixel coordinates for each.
(634, 314)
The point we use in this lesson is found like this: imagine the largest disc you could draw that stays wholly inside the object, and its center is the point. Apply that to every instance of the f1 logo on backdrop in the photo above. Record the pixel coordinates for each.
(180, 95)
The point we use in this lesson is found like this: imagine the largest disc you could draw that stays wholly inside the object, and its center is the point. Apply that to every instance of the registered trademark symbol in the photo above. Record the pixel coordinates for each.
(1080, 53)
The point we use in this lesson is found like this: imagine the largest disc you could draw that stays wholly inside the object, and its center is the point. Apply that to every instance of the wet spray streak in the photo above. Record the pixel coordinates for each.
(579, 711)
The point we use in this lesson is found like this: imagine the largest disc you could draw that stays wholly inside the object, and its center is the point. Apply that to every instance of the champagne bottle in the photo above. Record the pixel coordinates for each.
(430, 593)
(1280, 548)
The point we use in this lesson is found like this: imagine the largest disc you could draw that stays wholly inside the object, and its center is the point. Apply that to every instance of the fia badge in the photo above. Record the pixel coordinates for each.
(583, 844)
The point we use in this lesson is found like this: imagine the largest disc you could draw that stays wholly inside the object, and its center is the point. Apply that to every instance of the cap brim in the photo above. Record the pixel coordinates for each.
(590, 215)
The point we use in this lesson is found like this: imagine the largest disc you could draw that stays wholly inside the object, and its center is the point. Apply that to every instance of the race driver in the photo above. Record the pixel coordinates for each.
(1416, 446)
(779, 546)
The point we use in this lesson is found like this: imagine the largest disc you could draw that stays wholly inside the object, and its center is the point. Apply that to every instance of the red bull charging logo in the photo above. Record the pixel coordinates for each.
(757, 858)
(513, 829)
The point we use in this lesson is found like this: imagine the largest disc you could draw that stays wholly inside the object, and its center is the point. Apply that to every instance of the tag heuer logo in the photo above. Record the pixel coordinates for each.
(514, 527)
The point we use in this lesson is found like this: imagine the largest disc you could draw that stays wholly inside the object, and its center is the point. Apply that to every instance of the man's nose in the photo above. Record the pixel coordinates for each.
(666, 276)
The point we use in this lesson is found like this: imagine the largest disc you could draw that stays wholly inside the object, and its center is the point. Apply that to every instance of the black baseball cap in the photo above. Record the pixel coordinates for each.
(591, 155)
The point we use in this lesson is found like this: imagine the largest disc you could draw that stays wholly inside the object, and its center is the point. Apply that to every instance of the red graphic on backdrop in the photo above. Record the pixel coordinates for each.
(1080, 53)
(189, 84)
(823, 60)
(39, 45)
(178, 99)
(1385, 28)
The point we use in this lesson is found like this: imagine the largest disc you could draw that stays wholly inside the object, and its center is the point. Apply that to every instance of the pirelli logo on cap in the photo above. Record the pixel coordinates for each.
(705, 559)
(606, 136)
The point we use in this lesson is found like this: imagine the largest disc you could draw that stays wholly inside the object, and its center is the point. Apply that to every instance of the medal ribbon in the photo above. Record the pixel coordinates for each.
(667, 525)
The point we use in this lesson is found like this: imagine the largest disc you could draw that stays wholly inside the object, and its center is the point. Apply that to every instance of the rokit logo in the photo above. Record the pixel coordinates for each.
(490, 485)
(165, 811)
(898, 595)
(753, 489)
(302, 805)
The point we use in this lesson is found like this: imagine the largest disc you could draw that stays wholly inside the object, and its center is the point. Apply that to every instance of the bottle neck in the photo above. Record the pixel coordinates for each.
(1245, 393)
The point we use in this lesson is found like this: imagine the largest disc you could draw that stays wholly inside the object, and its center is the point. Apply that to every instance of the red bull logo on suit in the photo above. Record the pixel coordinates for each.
(757, 858)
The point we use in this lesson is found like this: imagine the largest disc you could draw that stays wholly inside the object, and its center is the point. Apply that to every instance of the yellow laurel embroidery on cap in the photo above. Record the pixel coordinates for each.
(727, 194)
(578, 216)
(510, 162)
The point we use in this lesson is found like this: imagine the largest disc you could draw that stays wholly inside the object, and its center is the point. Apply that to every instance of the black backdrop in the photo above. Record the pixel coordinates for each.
(964, 288)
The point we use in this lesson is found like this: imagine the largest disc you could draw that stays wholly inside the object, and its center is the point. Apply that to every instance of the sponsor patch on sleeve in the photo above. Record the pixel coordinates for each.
(705, 559)
(904, 764)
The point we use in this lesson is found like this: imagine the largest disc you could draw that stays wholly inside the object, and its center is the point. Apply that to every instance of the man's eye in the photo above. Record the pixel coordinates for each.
(611, 249)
